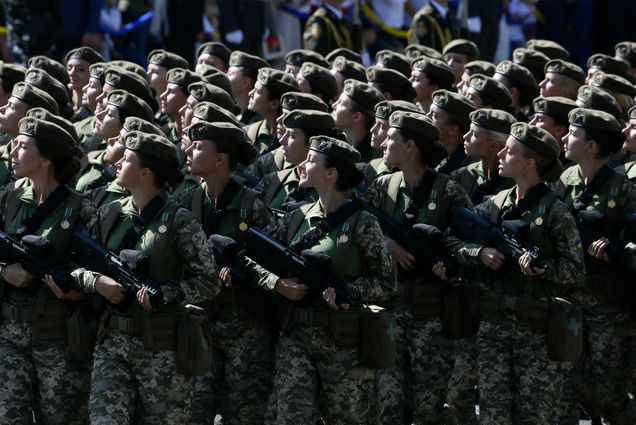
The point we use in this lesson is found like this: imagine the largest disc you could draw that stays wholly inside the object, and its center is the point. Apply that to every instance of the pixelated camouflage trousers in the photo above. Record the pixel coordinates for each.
(518, 383)
(462, 382)
(130, 384)
(421, 374)
(241, 381)
(39, 380)
(313, 374)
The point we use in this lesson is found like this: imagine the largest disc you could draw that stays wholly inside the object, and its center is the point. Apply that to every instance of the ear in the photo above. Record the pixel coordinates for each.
(332, 174)
(593, 147)
(274, 105)
(358, 117)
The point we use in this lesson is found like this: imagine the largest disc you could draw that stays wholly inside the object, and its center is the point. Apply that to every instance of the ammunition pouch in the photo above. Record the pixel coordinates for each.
(157, 332)
(47, 320)
(194, 342)
(531, 311)
(423, 299)
(460, 313)
(81, 332)
(565, 331)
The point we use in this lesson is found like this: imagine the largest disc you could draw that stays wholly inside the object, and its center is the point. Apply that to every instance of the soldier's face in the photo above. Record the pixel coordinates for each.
(292, 70)
(280, 127)
(462, 86)
(305, 87)
(422, 86)
(202, 157)
(341, 112)
(630, 136)
(172, 99)
(129, 170)
(107, 123)
(575, 146)
(511, 160)
(78, 72)
(295, 146)
(26, 160)
(237, 80)
(115, 148)
(11, 114)
(208, 59)
(474, 96)
(547, 123)
(102, 98)
(158, 77)
(379, 132)
(313, 172)
(440, 119)
(552, 85)
(456, 62)
(394, 147)
(258, 99)
(186, 111)
(476, 141)
(90, 93)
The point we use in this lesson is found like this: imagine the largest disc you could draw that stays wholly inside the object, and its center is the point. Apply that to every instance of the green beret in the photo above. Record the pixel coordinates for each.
(215, 48)
(462, 47)
(395, 61)
(631, 114)
(363, 94)
(138, 124)
(206, 92)
(384, 109)
(593, 119)
(182, 77)
(567, 69)
(608, 64)
(549, 48)
(537, 139)
(34, 97)
(320, 79)
(534, 60)
(55, 142)
(277, 82)
(479, 67)
(555, 106)
(416, 50)
(299, 56)
(349, 69)
(434, 69)
(245, 60)
(298, 100)
(493, 93)
(84, 53)
(336, 149)
(415, 123)
(157, 150)
(11, 72)
(309, 120)
(347, 53)
(52, 67)
(43, 114)
(517, 75)
(130, 104)
(167, 59)
(613, 83)
(626, 50)
(224, 131)
(121, 79)
(596, 98)
(132, 67)
(452, 102)
(42, 80)
(210, 112)
(493, 119)
(398, 85)
(216, 77)
(98, 71)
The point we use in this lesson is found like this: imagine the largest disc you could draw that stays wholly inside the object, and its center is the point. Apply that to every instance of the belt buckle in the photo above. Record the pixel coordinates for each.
(509, 303)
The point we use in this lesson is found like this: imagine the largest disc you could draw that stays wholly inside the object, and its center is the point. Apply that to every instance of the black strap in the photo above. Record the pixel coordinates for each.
(332, 221)
(107, 175)
(34, 221)
(454, 161)
(274, 144)
(584, 198)
(488, 187)
(420, 195)
(213, 217)
(297, 194)
(532, 198)
(132, 236)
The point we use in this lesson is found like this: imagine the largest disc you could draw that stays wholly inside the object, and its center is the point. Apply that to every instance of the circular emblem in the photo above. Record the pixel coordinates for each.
(432, 206)
(65, 224)
(611, 203)
(162, 229)
(343, 239)
(243, 226)
(538, 221)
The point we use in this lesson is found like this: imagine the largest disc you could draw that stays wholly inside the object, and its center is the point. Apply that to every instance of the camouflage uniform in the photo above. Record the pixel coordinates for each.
(5, 167)
(423, 352)
(518, 383)
(242, 377)
(275, 189)
(37, 371)
(473, 179)
(311, 367)
(129, 378)
(268, 163)
(605, 314)
(107, 194)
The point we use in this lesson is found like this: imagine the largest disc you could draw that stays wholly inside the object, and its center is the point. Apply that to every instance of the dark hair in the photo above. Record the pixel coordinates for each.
(164, 173)
(608, 142)
(461, 121)
(349, 176)
(560, 120)
(441, 83)
(273, 96)
(247, 72)
(238, 153)
(369, 117)
(526, 94)
(549, 169)
(64, 167)
(431, 152)
(309, 133)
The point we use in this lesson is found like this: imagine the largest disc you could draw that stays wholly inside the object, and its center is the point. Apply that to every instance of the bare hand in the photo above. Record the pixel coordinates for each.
(597, 249)
(17, 276)
(439, 270)
(144, 299)
(71, 295)
(525, 262)
(110, 289)
(491, 258)
(329, 295)
(291, 289)
(226, 277)
(400, 255)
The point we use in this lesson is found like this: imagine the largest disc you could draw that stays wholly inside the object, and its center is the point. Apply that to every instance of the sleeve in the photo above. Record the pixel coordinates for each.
(468, 253)
(86, 279)
(456, 197)
(261, 215)
(376, 191)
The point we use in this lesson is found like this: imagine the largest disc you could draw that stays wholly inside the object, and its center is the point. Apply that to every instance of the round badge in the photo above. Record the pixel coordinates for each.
(163, 228)
(538, 221)
(243, 227)
(432, 206)
(343, 239)
(65, 224)
(611, 203)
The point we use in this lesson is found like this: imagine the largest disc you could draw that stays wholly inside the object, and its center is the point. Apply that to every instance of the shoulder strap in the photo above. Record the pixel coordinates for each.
(275, 184)
(252, 131)
(167, 216)
(64, 235)
(344, 245)
(392, 192)
(499, 200)
(615, 193)
(109, 221)
(279, 158)
(437, 194)
(13, 205)
(296, 220)
(196, 208)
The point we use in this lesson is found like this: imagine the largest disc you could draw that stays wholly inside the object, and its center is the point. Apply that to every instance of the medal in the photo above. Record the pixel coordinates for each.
(538, 221)
(243, 226)
(611, 203)
(163, 228)
(432, 206)
(343, 239)
(65, 224)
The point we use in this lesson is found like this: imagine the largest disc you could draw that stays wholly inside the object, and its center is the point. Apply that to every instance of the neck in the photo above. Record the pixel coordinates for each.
(524, 184)
(241, 101)
(142, 196)
(77, 100)
(490, 164)
(451, 145)
(413, 174)
(215, 184)
(270, 119)
(425, 104)
(43, 186)
(589, 167)
(355, 135)
(330, 199)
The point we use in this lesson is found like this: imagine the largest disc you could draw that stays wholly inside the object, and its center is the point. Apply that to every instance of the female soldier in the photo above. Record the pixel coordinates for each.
(517, 380)
(416, 194)
(37, 371)
(630, 145)
(78, 62)
(600, 199)
(312, 365)
(241, 380)
(135, 369)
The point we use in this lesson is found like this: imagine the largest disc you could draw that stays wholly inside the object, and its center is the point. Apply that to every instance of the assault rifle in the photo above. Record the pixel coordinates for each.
(469, 227)
(226, 254)
(592, 227)
(310, 267)
(124, 268)
(33, 252)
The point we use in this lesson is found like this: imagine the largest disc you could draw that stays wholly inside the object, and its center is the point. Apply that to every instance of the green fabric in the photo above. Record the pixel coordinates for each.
(92, 172)
(287, 186)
